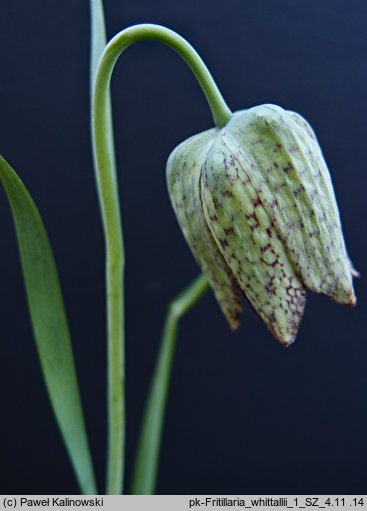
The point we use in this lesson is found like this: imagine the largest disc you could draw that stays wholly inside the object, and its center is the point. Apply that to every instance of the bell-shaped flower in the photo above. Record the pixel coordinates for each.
(256, 205)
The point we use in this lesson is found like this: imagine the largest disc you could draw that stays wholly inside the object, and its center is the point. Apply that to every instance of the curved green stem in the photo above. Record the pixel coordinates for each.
(109, 202)
(147, 457)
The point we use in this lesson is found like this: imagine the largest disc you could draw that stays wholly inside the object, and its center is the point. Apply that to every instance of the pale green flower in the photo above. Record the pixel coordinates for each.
(257, 207)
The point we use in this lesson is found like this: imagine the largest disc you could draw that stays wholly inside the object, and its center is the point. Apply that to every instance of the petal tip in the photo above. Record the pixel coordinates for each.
(355, 273)
(285, 342)
(234, 326)
(290, 341)
(353, 301)
(345, 297)
(234, 318)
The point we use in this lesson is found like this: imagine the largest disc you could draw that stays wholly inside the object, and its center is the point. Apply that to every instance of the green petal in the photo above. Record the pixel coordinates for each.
(285, 165)
(249, 244)
(183, 175)
(49, 324)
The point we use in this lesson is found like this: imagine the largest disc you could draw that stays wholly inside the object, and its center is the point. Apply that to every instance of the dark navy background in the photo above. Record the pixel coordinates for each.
(245, 415)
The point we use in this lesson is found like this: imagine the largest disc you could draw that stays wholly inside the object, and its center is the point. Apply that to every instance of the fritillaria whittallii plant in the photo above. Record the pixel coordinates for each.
(254, 199)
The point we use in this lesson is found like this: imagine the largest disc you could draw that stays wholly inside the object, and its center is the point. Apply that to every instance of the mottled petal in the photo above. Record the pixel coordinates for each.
(246, 237)
(286, 167)
(183, 175)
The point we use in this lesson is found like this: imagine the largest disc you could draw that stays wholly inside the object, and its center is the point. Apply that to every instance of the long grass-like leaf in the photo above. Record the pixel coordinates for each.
(97, 45)
(49, 324)
(97, 39)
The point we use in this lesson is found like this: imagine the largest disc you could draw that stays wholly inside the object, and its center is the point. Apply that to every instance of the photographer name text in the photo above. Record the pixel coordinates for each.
(52, 502)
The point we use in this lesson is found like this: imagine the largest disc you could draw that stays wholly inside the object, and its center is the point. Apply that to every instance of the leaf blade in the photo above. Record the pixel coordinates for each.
(49, 324)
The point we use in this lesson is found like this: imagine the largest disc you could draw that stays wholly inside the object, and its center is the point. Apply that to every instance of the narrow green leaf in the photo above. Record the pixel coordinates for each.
(98, 37)
(145, 470)
(97, 45)
(49, 324)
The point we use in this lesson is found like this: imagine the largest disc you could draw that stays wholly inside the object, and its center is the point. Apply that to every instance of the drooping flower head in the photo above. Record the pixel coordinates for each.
(256, 205)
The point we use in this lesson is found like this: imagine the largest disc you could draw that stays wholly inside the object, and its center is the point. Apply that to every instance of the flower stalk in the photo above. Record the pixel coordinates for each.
(109, 203)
